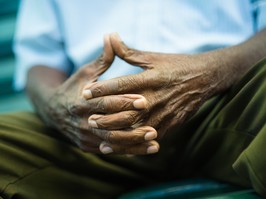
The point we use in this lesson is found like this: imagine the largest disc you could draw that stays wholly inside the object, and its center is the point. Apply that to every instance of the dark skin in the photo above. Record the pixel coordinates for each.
(126, 114)
(63, 107)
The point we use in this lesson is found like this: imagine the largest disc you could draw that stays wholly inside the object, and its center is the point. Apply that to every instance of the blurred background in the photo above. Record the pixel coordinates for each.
(10, 100)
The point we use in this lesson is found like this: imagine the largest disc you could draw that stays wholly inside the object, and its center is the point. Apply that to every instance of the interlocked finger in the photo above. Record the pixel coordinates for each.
(126, 137)
(121, 120)
(145, 148)
(116, 103)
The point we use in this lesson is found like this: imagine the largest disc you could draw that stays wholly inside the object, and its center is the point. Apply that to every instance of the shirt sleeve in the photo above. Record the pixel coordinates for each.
(38, 40)
(260, 14)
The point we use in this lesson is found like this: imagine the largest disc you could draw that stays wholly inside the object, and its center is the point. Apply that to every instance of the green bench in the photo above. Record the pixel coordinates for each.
(10, 100)
(192, 188)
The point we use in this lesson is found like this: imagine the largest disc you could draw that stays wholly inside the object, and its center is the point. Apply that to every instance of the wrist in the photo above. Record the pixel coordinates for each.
(225, 67)
(43, 103)
(41, 90)
(230, 64)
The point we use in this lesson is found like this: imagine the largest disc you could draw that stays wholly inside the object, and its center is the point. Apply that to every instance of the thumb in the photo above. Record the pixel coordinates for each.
(93, 70)
(129, 55)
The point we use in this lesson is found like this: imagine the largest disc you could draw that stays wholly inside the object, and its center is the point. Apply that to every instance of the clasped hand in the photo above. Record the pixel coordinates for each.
(171, 88)
(129, 114)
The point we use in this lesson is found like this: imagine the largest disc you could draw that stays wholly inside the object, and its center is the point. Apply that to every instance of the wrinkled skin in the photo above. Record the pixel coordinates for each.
(68, 112)
(127, 114)
(174, 87)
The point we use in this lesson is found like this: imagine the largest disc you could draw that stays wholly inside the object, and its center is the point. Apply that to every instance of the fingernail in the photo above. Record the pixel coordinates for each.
(106, 150)
(152, 149)
(140, 103)
(92, 123)
(87, 94)
(150, 136)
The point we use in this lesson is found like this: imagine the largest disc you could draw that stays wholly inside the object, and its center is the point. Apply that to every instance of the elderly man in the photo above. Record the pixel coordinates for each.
(195, 102)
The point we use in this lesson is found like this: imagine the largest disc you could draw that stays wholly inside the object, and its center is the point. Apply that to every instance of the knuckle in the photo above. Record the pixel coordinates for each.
(128, 53)
(110, 137)
(122, 84)
(106, 59)
(109, 104)
(67, 128)
(129, 83)
(96, 132)
(124, 104)
(83, 124)
(137, 137)
(147, 128)
(73, 108)
(113, 104)
(139, 132)
(82, 138)
(98, 90)
(131, 117)
(104, 88)
(100, 105)
(103, 134)
(101, 60)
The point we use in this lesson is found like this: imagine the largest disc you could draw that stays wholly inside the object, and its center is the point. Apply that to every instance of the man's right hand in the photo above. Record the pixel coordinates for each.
(61, 104)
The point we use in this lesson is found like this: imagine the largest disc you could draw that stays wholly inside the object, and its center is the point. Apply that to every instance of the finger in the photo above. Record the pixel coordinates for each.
(145, 148)
(121, 120)
(93, 70)
(136, 83)
(121, 85)
(108, 104)
(107, 57)
(126, 137)
(131, 56)
(116, 103)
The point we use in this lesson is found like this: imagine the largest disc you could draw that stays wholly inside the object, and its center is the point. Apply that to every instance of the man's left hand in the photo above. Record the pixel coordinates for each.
(173, 86)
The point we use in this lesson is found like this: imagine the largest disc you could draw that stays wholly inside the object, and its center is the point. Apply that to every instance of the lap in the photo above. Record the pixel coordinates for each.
(37, 162)
(226, 131)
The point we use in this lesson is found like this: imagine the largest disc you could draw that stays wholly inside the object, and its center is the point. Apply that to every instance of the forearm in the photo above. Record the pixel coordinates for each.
(41, 84)
(233, 62)
(253, 49)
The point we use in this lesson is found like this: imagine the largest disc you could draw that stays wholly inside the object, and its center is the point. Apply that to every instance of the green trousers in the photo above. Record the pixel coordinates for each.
(225, 140)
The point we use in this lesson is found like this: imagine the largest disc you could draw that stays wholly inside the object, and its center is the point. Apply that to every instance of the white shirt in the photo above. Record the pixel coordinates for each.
(66, 34)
